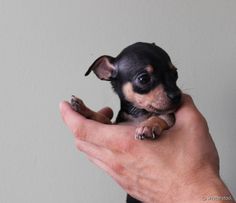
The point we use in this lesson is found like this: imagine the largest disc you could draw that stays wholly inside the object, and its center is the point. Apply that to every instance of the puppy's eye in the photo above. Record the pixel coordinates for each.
(144, 78)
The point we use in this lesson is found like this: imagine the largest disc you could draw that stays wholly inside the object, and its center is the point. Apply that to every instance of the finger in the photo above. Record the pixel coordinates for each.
(115, 137)
(117, 177)
(121, 178)
(70, 117)
(107, 112)
(188, 111)
(187, 102)
(188, 117)
(95, 151)
(103, 155)
(77, 123)
(101, 165)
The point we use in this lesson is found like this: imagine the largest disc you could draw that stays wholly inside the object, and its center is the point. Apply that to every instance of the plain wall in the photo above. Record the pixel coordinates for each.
(45, 48)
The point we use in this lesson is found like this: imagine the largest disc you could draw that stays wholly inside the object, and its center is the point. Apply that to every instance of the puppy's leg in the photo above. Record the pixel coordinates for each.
(150, 128)
(79, 106)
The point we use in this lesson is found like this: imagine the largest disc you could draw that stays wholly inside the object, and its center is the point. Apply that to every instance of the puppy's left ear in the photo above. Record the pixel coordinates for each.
(103, 68)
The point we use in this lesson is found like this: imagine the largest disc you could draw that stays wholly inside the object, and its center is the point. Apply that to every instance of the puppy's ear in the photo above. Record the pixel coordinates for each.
(103, 68)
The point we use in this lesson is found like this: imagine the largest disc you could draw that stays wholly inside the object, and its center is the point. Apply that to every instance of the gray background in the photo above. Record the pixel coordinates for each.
(45, 48)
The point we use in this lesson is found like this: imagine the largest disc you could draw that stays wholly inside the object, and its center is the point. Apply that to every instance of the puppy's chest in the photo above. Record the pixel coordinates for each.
(129, 118)
(124, 117)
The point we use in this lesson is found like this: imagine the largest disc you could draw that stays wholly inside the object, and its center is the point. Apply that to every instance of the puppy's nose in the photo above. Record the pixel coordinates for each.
(175, 96)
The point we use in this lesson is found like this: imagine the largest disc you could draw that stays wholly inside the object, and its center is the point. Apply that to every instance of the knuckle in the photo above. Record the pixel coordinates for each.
(117, 168)
(79, 146)
(197, 118)
(129, 188)
(194, 117)
(79, 132)
(76, 131)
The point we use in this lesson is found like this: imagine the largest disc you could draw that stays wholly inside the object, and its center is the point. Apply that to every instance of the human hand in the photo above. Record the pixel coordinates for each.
(182, 165)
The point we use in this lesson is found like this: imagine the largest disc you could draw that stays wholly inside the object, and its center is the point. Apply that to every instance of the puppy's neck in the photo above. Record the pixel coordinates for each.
(130, 109)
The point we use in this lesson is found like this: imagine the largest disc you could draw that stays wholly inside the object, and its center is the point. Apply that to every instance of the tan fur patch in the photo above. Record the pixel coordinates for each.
(155, 99)
(149, 69)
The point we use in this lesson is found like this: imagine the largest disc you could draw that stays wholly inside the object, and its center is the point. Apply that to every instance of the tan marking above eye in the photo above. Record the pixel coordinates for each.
(149, 69)
(155, 98)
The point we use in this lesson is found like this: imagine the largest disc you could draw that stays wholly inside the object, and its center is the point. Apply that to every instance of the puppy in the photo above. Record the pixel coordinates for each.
(144, 78)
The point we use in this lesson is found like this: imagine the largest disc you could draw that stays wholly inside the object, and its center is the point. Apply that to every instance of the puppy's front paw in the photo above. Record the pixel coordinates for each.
(77, 104)
(147, 132)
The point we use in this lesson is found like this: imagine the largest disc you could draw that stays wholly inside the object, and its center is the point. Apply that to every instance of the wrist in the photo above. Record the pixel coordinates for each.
(209, 188)
(215, 191)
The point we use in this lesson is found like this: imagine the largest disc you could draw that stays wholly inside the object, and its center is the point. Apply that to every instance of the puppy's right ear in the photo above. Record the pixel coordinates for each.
(103, 68)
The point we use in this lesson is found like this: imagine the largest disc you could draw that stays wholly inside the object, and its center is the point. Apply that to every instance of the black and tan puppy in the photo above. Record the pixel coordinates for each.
(145, 80)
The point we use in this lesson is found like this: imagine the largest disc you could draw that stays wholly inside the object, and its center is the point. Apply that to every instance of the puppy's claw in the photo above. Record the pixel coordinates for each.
(147, 132)
(154, 134)
(140, 136)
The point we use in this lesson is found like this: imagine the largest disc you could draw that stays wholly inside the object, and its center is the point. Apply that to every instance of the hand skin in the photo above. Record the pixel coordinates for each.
(181, 166)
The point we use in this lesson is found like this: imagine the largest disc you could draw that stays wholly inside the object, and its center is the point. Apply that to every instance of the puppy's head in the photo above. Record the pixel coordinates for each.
(143, 75)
